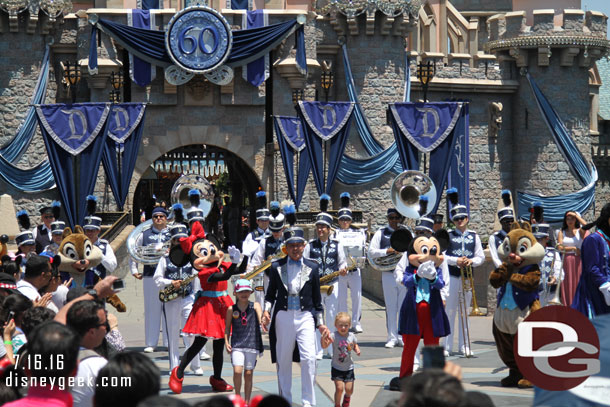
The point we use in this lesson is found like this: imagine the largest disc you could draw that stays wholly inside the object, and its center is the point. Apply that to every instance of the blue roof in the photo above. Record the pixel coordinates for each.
(603, 66)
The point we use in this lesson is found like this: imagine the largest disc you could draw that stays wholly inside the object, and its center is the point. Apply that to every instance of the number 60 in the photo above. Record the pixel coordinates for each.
(194, 42)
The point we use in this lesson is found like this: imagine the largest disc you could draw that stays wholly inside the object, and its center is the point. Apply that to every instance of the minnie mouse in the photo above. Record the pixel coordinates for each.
(422, 313)
(207, 318)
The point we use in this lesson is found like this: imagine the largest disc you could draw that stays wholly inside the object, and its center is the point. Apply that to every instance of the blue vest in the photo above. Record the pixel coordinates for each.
(329, 260)
(152, 236)
(499, 237)
(521, 297)
(271, 246)
(42, 238)
(460, 245)
(98, 270)
(386, 233)
(258, 234)
(173, 272)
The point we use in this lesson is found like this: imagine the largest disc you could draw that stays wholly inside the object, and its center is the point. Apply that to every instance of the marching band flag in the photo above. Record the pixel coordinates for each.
(289, 132)
(141, 72)
(325, 121)
(256, 72)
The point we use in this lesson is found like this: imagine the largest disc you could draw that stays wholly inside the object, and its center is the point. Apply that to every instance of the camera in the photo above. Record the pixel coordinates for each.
(3, 239)
(433, 357)
(118, 285)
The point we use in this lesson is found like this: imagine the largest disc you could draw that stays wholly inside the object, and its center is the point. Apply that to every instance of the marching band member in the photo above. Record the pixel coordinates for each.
(330, 256)
(156, 235)
(437, 218)
(506, 216)
(294, 295)
(353, 279)
(57, 230)
(26, 245)
(253, 238)
(464, 250)
(268, 247)
(393, 294)
(176, 312)
(551, 269)
(92, 227)
(42, 233)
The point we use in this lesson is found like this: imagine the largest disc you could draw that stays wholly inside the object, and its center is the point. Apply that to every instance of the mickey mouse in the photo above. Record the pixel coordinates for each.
(207, 318)
(422, 313)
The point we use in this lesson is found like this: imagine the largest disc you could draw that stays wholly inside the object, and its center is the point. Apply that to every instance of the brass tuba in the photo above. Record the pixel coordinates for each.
(405, 193)
(150, 254)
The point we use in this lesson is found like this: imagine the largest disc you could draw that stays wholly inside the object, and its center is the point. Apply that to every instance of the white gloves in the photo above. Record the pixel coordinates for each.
(605, 290)
(427, 270)
(234, 254)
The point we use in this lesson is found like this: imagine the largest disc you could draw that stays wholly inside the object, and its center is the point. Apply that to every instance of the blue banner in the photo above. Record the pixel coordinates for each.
(74, 136)
(289, 132)
(141, 72)
(124, 129)
(256, 72)
(429, 127)
(459, 172)
(328, 121)
(425, 125)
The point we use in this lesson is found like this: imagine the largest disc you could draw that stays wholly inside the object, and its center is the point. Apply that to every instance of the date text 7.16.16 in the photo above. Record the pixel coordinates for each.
(38, 362)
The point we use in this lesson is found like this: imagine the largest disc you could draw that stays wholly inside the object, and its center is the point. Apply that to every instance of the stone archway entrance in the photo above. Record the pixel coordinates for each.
(235, 185)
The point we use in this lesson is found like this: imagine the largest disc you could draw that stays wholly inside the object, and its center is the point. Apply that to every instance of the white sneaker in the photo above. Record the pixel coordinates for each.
(319, 356)
(358, 329)
(400, 343)
(390, 344)
(149, 349)
(198, 372)
(446, 352)
(204, 356)
(467, 352)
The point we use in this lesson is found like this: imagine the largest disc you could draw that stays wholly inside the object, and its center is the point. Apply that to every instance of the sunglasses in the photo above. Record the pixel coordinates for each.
(460, 218)
(159, 217)
(48, 217)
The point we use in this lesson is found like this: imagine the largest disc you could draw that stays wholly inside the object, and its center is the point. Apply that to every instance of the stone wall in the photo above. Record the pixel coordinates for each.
(483, 5)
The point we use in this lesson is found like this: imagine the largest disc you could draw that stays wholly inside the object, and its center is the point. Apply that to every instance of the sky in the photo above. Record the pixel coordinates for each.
(597, 5)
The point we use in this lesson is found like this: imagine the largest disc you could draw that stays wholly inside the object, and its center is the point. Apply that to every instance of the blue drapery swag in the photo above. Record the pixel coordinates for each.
(256, 72)
(74, 136)
(289, 133)
(354, 171)
(125, 126)
(427, 128)
(39, 177)
(324, 122)
(141, 72)
(556, 206)
(149, 45)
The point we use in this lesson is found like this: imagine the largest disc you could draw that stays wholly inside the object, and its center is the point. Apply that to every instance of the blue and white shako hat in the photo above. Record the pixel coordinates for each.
(194, 214)
(92, 222)
(457, 210)
(25, 238)
(345, 211)
(506, 212)
(541, 230)
(424, 224)
(57, 227)
(262, 214)
(179, 230)
(276, 223)
(324, 218)
(294, 235)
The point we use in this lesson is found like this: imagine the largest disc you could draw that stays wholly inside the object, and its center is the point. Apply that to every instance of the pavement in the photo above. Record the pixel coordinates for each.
(373, 370)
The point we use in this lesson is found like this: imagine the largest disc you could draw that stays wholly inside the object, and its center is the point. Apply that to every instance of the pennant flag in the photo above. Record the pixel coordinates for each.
(325, 122)
(74, 136)
(124, 130)
(256, 72)
(141, 72)
(289, 132)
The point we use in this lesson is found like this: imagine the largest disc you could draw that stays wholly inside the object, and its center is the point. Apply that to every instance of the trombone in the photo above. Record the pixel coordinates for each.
(467, 285)
(556, 300)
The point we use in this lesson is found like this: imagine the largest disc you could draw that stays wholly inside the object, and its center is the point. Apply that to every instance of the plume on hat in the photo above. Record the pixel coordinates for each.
(345, 197)
(452, 195)
(506, 197)
(91, 204)
(194, 197)
(423, 205)
(290, 213)
(56, 208)
(538, 212)
(23, 219)
(324, 200)
(274, 208)
(178, 212)
(261, 199)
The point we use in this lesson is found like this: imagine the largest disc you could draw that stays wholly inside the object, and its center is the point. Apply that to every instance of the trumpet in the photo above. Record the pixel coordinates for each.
(467, 285)
(171, 293)
(266, 264)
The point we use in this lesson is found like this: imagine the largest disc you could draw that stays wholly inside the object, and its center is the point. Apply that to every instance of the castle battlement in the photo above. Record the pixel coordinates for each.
(579, 30)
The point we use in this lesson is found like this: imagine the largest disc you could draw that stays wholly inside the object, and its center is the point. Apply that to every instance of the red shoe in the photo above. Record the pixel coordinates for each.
(175, 384)
(220, 384)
